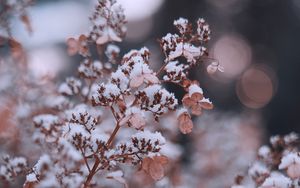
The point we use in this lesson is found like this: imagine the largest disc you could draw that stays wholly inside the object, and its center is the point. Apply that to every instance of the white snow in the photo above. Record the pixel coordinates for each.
(276, 180)
(287, 160)
(153, 137)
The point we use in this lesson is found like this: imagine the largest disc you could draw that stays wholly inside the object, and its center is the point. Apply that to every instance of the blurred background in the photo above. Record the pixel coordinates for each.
(256, 42)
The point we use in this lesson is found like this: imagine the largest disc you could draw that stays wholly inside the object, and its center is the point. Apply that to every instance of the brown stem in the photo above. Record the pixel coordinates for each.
(92, 173)
(112, 136)
(161, 69)
(97, 161)
(85, 159)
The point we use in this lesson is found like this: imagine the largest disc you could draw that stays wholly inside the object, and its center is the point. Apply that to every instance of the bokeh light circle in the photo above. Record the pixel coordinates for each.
(234, 54)
(256, 86)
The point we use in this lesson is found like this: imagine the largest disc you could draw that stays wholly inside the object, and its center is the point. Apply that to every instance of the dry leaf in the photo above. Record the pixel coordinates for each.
(137, 121)
(156, 170)
(185, 123)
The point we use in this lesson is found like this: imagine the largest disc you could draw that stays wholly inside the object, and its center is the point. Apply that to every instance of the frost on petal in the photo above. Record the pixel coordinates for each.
(206, 104)
(195, 92)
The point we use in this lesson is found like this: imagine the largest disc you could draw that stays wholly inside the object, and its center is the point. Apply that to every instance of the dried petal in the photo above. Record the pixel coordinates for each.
(196, 96)
(185, 123)
(196, 109)
(156, 170)
(163, 160)
(206, 104)
(137, 121)
(187, 101)
(146, 163)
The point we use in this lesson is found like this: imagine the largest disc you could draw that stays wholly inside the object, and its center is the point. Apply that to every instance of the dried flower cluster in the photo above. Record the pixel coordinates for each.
(277, 165)
(103, 119)
(12, 8)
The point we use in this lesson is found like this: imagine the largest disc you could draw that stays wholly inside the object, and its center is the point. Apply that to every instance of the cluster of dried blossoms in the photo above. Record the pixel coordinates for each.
(277, 165)
(13, 8)
(103, 119)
